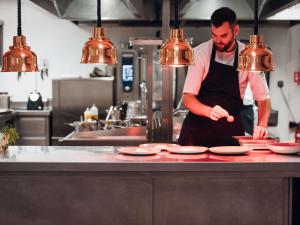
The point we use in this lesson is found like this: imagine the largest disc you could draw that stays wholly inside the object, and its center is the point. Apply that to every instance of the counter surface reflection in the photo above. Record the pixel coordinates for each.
(106, 158)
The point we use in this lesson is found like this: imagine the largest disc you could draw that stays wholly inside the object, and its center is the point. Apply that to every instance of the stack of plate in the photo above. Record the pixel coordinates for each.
(248, 141)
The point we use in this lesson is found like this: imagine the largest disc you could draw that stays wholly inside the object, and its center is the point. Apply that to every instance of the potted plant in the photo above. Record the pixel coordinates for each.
(8, 136)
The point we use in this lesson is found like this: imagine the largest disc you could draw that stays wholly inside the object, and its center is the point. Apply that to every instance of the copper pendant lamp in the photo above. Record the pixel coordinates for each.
(19, 58)
(176, 51)
(256, 57)
(99, 49)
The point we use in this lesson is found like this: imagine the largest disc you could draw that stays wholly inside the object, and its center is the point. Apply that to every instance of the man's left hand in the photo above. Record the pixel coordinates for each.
(260, 132)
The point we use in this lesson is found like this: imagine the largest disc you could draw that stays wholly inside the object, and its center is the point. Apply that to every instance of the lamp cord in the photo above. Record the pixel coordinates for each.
(256, 18)
(98, 13)
(176, 14)
(19, 19)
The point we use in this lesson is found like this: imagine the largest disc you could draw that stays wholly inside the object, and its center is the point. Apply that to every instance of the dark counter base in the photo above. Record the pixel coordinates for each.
(296, 201)
(68, 198)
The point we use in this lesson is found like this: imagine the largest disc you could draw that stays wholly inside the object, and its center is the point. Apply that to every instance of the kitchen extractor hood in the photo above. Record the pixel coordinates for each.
(149, 10)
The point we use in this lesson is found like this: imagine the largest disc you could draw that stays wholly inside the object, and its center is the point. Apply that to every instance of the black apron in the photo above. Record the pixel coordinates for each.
(220, 87)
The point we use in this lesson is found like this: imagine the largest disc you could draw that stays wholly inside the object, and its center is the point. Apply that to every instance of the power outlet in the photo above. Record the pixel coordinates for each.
(280, 83)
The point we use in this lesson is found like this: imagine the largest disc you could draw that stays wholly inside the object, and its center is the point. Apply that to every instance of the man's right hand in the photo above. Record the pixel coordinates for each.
(217, 112)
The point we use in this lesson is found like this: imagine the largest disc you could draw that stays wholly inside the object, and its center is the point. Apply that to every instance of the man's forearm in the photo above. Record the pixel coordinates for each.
(264, 110)
(195, 106)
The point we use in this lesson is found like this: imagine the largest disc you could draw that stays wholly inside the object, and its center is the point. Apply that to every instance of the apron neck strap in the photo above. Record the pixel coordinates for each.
(236, 55)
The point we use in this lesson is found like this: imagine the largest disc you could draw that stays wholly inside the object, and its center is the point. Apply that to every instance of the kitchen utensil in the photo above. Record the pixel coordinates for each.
(284, 148)
(187, 149)
(108, 115)
(230, 150)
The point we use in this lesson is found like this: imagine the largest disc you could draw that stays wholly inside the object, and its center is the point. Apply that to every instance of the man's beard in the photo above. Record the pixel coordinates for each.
(225, 47)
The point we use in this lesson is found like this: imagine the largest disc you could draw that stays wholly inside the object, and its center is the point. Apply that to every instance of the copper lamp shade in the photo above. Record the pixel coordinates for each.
(99, 49)
(256, 56)
(19, 58)
(176, 51)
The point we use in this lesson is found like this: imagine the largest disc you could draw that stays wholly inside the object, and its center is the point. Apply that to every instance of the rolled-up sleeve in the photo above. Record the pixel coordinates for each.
(258, 85)
(195, 74)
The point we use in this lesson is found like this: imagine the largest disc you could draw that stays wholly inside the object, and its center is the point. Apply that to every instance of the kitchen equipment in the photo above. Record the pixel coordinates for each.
(187, 149)
(68, 104)
(4, 100)
(230, 150)
(85, 126)
(284, 148)
(35, 101)
(134, 109)
(133, 150)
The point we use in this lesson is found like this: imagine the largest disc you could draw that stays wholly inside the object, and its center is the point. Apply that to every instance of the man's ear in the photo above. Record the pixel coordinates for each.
(236, 30)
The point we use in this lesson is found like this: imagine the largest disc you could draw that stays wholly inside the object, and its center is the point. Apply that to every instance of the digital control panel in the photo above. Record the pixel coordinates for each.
(127, 71)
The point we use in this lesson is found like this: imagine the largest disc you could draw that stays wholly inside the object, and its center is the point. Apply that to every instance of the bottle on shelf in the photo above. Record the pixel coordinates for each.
(87, 114)
(94, 112)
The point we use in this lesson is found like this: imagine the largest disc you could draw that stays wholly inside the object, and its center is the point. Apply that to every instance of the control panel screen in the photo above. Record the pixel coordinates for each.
(127, 71)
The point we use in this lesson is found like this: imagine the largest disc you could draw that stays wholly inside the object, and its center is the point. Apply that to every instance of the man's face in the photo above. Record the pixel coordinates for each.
(224, 35)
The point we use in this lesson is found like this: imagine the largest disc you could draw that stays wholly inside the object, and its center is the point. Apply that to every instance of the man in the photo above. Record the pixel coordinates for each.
(214, 89)
(248, 112)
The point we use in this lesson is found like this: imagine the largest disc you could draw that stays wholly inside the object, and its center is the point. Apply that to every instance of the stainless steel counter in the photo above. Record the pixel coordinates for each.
(106, 158)
(5, 117)
(24, 112)
(96, 185)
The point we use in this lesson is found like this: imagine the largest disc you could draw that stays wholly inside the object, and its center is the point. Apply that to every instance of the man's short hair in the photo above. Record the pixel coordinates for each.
(222, 15)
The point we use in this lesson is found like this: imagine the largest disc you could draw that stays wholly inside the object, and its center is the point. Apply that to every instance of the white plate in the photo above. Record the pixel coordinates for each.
(187, 149)
(134, 150)
(230, 150)
(285, 148)
(162, 146)
(248, 141)
(186, 156)
(138, 158)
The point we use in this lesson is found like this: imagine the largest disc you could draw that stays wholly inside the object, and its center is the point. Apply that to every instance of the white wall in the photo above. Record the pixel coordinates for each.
(291, 88)
(60, 41)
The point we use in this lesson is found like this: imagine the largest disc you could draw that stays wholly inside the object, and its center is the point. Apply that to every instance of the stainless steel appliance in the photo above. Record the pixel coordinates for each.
(4, 100)
(128, 76)
(72, 96)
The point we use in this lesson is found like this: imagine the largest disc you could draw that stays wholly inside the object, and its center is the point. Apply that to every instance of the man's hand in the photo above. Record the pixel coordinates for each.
(217, 112)
(260, 132)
